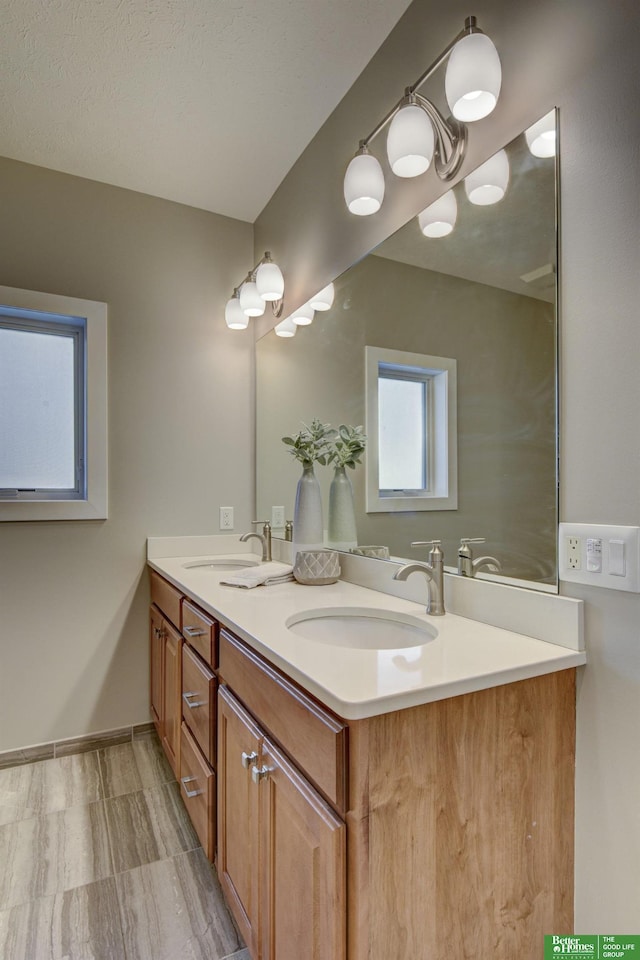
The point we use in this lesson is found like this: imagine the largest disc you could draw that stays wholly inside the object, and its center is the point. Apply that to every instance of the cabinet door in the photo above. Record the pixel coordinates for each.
(303, 866)
(237, 859)
(156, 646)
(172, 696)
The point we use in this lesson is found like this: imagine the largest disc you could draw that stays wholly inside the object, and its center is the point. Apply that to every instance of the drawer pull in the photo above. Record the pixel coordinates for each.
(248, 758)
(190, 793)
(198, 703)
(259, 773)
(193, 631)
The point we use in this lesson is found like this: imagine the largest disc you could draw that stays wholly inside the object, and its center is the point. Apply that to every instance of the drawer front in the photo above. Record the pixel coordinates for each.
(201, 631)
(197, 788)
(166, 597)
(313, 737)
(199, 701)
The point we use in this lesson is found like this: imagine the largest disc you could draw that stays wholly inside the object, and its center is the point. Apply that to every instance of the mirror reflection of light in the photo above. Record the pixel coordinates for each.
(541, 136)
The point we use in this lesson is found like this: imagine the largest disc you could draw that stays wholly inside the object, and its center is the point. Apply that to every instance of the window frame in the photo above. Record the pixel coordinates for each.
(88, 501)
(441, 444)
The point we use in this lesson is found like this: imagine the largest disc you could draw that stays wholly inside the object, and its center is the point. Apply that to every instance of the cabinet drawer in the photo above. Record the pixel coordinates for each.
(313, 737)
(201, 631)
(199, 701)
(166, 597)
(197, 788)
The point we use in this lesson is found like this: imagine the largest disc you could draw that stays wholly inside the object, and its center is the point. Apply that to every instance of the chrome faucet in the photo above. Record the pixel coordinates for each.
(264, 538)
(467, 566)
(433, 571)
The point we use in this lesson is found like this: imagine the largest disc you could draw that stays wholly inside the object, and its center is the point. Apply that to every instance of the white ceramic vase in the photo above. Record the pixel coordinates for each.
(342, 519)
(308, 530)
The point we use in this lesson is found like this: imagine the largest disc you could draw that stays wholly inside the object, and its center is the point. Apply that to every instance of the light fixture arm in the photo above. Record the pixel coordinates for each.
(470, 26)
(451, 139)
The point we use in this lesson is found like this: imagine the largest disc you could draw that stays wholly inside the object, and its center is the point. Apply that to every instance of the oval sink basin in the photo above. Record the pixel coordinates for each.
(220, 564)
(362, 628)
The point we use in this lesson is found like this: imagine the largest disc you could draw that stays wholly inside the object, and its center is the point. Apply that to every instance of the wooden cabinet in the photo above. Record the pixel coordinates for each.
(183, 699)
(281, 849)
(172, 691)
(442, 830)
(239, 740)
(156, 646)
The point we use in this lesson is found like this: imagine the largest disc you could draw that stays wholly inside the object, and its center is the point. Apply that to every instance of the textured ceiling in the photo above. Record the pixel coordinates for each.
(206, 102)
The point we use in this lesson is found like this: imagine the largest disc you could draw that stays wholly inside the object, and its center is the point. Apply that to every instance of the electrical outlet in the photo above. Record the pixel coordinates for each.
(226, 518)
(600, 555)
(573, 553)
(277, 518)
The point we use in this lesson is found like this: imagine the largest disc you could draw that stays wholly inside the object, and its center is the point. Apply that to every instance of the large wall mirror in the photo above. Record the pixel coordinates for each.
(483, 296)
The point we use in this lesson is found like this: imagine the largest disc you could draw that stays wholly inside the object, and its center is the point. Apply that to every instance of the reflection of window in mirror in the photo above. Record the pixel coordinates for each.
(411, 425)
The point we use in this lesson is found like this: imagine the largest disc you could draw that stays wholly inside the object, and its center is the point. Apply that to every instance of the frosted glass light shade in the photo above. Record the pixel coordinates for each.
(439, 218)
(323, 300)
(473, 78)
(541, 136)
(250, 300)
(410, 142)
(269, 281)
(234, 315)
(303, 316)
(364, 185)
(488, 183)
(286, 328)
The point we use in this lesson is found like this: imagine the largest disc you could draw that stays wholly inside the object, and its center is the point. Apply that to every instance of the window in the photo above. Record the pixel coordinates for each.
(52, 407)
(411, 426)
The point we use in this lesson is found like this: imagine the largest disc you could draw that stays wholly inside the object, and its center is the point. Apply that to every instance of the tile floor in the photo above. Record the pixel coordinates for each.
(99, 861)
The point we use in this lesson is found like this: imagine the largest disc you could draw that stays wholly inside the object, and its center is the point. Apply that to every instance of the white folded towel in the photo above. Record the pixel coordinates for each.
(264, 574)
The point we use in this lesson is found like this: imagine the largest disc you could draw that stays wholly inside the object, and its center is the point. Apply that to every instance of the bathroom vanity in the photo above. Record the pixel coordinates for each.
(363, 804)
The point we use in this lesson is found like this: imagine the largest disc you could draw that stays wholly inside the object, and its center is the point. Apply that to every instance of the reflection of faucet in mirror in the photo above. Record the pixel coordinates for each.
(467, 566)
(433, 571)
(264, 538)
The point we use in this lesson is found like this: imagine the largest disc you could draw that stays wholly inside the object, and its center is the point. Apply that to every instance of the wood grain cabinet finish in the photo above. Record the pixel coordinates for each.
(199, 702)
(201, 631)
(166, 597)
(156, 650)
(198, 791)
(281, 848)
(172, 696)
(239, 740)
(314, 737)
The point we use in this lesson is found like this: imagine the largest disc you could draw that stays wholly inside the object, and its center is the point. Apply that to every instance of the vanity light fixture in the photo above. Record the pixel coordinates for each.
(286, 328)
(488, 183)
(303, 316)
(541, 136)
(323, 300)
(263, 284)
(418, 133)
(439, 218)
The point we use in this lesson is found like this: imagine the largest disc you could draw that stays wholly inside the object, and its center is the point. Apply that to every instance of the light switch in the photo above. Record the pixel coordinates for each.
(617, 565)
(600, 555)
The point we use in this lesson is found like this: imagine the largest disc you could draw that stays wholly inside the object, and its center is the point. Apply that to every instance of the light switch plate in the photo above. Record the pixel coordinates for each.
(620, 552)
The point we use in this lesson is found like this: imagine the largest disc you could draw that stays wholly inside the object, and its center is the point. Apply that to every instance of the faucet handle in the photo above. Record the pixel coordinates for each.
(472, 540)
(426, 543)
(266, 525)
(261, 521)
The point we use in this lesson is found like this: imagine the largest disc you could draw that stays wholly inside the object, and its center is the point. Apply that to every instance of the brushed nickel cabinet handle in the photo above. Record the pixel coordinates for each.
(259, 773)
(193, 631)
(248, 758)
(198, 703)
(190, 793)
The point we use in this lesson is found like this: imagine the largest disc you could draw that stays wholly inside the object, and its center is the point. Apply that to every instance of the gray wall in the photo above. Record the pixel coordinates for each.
(580, 55)
(74, 595)
(504, 345)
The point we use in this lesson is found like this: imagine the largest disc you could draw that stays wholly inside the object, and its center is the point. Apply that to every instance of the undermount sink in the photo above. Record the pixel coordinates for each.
(362, 628)
(220, 564)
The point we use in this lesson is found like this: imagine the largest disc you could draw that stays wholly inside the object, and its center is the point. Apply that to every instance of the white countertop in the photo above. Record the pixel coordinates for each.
(466, 655)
